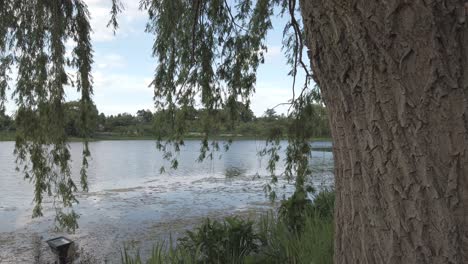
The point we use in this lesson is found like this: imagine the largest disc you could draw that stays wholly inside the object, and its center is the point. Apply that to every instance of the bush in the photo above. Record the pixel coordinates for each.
(324, 204)
(294, 210)
(270, 240)
(226, 242)
(282, 244)
(302, 232)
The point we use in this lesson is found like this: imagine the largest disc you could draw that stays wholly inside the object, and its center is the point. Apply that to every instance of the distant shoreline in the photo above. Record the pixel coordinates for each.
(9, 136)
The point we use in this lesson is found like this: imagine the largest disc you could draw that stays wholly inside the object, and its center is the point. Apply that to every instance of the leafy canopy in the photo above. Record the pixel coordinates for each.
(205, 49)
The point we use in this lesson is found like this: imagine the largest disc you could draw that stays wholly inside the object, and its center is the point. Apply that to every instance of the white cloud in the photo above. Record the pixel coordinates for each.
(110, 61)
(119, 93)
(268, 95)
(99, 19)
(274, 52)
(105, 81)
(100, 16)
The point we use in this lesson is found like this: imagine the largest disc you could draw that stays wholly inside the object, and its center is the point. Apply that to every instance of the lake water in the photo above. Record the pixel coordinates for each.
(130, 202)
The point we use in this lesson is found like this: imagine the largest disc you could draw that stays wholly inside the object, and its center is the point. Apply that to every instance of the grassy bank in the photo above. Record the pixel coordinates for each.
(188, 137)
(271, 239)
(7, 136)
(10, 136)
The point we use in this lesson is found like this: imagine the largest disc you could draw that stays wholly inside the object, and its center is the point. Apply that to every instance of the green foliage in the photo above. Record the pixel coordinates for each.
(210, 52)
(226, 242)
(230, 241)
(145, 116)
(161, 254)
(324, 204)
(306, 119)
(6, 122)
(145, 124)
(314, 244)
(294, 210)
(73, 121)
(127, 258)
(298, 207)
(32, 40)
(269, 240)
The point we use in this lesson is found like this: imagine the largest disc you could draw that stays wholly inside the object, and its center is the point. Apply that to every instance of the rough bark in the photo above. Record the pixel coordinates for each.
(394, 78)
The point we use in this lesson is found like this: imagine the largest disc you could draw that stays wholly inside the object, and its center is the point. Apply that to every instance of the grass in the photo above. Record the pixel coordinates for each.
(7, 136)
(10, 136)
(187, 137)
(269, 239)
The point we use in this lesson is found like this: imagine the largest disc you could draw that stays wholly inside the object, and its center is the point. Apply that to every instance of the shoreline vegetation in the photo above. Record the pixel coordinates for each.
(148, 125)
(10, 136)
(300, 231)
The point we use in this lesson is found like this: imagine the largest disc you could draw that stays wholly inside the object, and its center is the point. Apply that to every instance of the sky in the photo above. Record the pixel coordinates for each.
(123, 66)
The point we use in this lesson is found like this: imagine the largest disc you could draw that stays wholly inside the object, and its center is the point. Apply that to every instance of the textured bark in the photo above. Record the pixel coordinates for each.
(394, 78)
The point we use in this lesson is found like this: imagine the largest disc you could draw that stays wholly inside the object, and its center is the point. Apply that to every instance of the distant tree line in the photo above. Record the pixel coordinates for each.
(145, 123)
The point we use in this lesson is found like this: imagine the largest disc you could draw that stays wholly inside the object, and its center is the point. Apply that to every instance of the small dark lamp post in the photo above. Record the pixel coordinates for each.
(59, 246)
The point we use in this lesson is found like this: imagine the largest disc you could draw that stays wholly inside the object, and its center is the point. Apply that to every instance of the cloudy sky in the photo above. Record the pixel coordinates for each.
(124, 67)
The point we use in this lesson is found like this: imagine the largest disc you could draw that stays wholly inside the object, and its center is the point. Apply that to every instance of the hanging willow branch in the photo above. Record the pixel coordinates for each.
(208, 52)
(33, 36)
(211, 50)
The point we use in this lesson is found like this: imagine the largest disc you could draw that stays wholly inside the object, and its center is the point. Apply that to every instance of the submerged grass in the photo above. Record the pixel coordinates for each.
(269, 239)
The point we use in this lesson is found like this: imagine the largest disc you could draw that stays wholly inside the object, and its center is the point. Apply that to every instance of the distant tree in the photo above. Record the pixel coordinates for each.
(6, 122)
(270, 114)
(245, 113)
(124, 119)
(101, 121)
(145, 116)
(73, 121)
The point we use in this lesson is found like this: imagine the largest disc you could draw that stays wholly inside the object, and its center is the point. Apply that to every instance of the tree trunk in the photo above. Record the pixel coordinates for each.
(394, 78)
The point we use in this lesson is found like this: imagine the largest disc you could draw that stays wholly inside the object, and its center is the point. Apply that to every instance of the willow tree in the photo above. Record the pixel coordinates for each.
(33, 37)
(393, 75)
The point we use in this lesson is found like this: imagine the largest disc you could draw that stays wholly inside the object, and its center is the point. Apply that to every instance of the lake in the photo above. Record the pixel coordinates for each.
(130, 202)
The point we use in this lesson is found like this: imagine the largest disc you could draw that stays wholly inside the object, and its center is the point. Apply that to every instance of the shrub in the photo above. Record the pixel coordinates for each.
(324, 204)
(294, 210)
(314, 244)
(226, 242)
(270, 240)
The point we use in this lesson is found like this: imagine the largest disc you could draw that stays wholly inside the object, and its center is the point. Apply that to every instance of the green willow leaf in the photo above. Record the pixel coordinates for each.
(33, 37)
(208, 53)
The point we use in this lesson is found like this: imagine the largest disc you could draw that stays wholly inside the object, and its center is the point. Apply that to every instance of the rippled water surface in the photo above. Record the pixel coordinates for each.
(131, 202)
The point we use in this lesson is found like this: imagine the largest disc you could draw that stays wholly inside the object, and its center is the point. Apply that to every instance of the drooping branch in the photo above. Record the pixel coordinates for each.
(233, 19)
(33, 40)
(116, 9)
(215, 62)
(298, 33)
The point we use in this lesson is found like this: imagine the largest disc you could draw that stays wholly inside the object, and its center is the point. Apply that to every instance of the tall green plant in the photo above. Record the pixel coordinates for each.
(226, 242)
(313, 244)
(270, 239)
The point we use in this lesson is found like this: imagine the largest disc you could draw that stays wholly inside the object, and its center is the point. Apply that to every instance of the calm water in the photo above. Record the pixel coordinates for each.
(129, 201)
